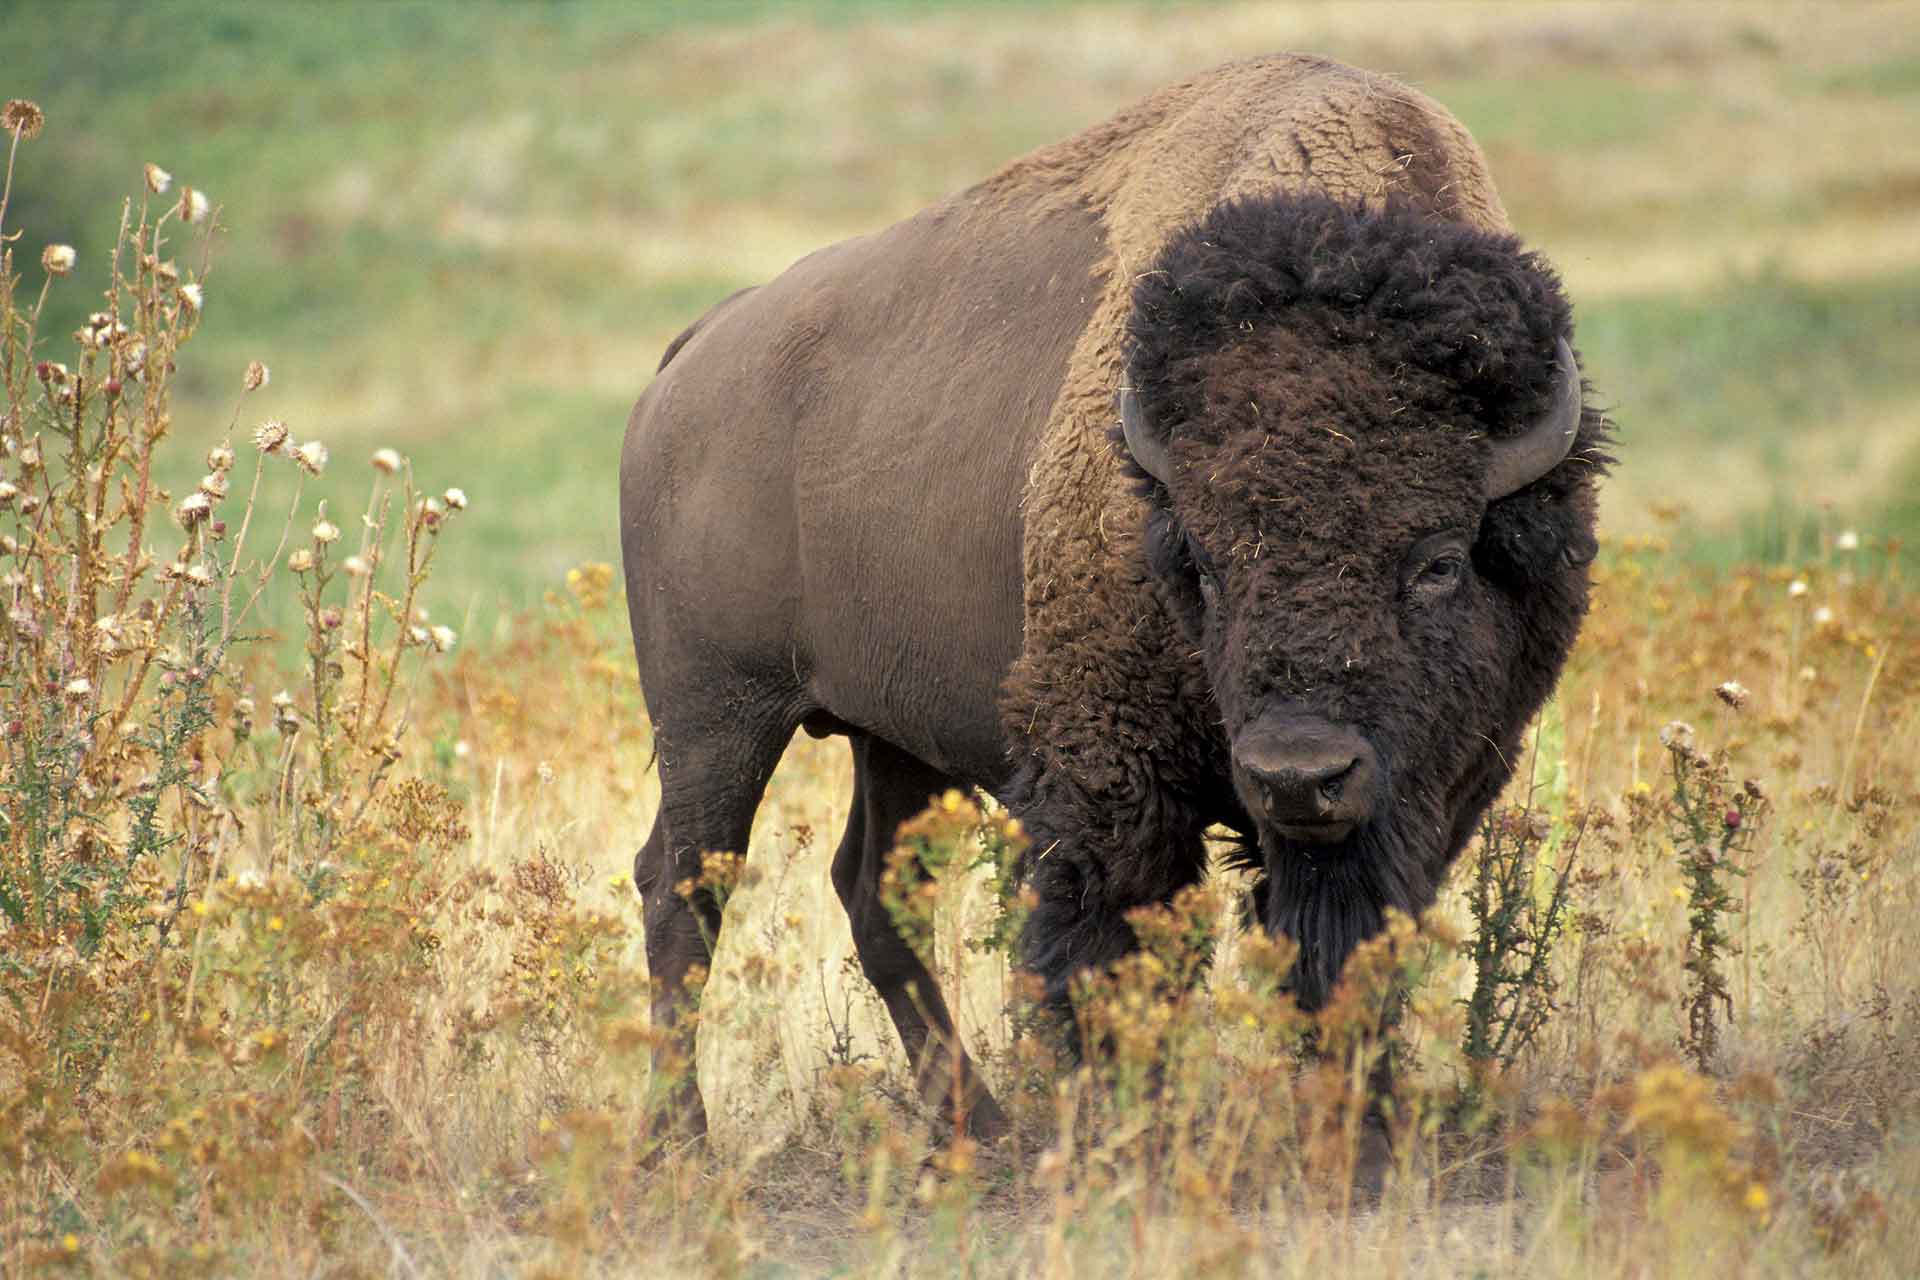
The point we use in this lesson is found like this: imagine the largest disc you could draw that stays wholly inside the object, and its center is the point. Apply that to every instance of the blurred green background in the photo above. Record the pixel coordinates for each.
(467, 230)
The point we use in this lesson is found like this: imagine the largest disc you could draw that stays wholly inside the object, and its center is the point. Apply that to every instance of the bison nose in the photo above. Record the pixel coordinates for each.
(1315, 781)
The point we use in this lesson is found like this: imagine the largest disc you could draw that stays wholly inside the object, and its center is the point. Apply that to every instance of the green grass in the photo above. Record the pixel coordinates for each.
(468, 231)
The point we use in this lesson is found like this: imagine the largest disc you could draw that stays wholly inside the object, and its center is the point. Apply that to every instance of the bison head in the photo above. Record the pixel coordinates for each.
(1370, 482)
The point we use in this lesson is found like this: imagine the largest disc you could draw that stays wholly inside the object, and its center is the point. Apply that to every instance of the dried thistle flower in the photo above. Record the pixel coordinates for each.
(193, 509)
(199, 575)
(444, 638)
(356, 566)
(8, 492)
(58, 259)
(300, 561)
(312, 457)
(192, 297)
(386, 461)
(1797, 588)
(456, 499)
(258, 376)
(325, 531)
(220, 457)
(1733, 693)
(78, 688)
(158, 179)
(1823, 616)
(1849, 540)
(23, 119)
(194, 204)
(1677, 737)
(270, 436)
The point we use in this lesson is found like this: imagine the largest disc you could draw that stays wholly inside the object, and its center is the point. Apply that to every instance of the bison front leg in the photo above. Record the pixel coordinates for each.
(1096, 855)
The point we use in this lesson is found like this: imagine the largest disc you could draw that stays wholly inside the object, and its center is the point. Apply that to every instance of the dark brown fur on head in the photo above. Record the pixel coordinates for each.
(1329, 378)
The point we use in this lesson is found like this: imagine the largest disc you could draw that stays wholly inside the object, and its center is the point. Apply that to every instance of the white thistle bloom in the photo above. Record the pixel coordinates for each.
(8, 492)
(1797, 588)
(58, 259)
(386, 461)
(194, 508)
(300, 561)
(444, 638)
(325, 531)
(199, 575)
(193, 204)
(1733, 693)
(270, 436)
(1823, 616)
(312, 457)
(418, 635)
(282, 700)
(79, 687)
(193, 297)
(158, 179)
(214, 485)
(220, 457)
(1849, 540)
(456, 499)
(357, 566)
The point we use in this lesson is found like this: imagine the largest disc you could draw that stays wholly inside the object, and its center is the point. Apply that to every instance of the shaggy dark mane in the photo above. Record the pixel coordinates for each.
(1472, 308)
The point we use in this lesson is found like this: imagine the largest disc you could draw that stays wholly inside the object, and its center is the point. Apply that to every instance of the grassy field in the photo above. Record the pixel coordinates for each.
(370, 999)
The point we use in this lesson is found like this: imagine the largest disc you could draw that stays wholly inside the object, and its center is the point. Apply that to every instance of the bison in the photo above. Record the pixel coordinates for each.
(1226, 463)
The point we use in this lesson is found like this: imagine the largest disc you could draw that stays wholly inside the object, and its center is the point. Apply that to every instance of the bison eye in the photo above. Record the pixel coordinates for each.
(1436, 566)
(1204, 573)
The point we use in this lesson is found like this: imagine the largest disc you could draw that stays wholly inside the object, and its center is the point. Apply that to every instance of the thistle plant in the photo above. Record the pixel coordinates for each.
(1710, 822)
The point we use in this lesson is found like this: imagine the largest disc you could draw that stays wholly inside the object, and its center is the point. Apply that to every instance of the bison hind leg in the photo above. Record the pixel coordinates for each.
(714, 768)
(889, 787)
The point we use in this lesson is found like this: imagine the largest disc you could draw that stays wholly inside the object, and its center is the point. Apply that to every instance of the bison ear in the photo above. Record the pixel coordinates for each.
(1533, 536)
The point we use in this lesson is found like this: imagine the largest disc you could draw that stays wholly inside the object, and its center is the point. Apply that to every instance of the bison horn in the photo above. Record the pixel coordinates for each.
(1148, 453)
(1520, 461)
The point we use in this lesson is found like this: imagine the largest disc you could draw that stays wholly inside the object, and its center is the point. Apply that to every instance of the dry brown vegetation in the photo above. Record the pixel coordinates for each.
(350, 981)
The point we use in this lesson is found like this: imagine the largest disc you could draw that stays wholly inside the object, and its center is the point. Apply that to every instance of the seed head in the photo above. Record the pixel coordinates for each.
(325, 531)
(386, 461)
(456, 499)
(1849, 540)
(78, 688)
(58, 259)
(158, 179)
(258, 376)
(220, 457)
(8, 492)
(214, 485)
(193, 509)
(1733, 693)
(300, 561)
(199, 575)
(22, 119)
(1823, 616)
(192, 297)
(443, 637)
(1677, 737)
(194, 204)
(312, 457)
(1797, 588)
(357, 566)
(270, 436)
